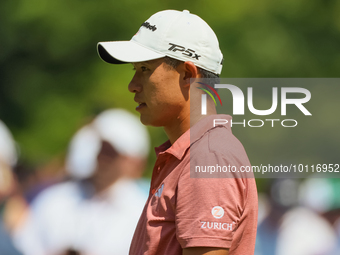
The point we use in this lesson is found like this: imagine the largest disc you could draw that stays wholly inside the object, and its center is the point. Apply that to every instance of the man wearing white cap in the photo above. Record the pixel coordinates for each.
(10, 215)
(97, 210)
(185, 215)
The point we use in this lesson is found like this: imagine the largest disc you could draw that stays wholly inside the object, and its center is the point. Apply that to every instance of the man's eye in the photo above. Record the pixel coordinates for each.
(143, 68)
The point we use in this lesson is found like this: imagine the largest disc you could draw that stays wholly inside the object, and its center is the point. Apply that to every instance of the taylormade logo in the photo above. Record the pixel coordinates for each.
(148, 26)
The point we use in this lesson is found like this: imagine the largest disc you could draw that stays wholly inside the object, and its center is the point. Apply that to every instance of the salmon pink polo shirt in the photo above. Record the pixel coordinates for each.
(190, 207)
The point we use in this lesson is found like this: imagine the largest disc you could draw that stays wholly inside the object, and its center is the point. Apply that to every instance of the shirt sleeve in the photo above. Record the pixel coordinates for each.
(209, 210)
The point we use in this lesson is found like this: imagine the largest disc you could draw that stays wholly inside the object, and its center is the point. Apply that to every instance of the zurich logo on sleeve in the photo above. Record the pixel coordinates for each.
(217, 212)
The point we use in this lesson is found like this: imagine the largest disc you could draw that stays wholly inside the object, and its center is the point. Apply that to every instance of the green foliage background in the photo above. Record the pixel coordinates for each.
(52, 81)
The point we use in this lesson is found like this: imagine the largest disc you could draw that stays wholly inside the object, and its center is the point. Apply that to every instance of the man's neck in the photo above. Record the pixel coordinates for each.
(178, 128)
(185, 123)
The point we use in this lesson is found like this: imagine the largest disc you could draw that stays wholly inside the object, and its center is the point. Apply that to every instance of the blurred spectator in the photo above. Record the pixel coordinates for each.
(337, 229)
(12, 205)
(290, 228)
(97, 210)
(322, 196)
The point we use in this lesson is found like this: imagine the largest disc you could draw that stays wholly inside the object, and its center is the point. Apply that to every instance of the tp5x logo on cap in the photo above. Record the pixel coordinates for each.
(187, 52)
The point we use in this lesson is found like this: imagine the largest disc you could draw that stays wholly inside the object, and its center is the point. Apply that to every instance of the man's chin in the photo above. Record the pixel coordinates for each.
(147, 121)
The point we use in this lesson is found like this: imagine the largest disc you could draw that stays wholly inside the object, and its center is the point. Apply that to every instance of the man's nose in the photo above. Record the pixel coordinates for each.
(135, 85)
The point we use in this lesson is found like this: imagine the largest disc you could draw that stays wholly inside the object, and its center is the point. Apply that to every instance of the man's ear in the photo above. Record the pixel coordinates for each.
(191, 71)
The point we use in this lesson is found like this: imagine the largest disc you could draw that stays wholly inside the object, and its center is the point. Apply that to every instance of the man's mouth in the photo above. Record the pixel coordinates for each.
(140, 105)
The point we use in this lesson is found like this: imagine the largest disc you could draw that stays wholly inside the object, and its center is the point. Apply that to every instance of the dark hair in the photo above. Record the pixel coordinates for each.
(213, 78)
(174, 63)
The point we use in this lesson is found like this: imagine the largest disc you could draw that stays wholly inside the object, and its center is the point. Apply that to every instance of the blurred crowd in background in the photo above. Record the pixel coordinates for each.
(299, 217)
(92, 205)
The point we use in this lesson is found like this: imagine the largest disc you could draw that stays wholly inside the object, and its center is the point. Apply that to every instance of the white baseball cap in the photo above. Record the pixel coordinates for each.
(8, 152)
(123, 130)
(180, 35)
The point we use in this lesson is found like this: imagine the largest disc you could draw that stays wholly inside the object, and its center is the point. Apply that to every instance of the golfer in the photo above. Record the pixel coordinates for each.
(186, 213)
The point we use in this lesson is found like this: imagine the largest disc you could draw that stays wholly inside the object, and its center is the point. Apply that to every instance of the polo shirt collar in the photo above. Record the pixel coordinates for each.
(206, 124)
(181, 145)
(177, 149)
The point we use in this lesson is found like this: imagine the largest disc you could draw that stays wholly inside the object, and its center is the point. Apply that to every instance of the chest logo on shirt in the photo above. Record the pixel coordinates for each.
(217, 212)
(159, 191)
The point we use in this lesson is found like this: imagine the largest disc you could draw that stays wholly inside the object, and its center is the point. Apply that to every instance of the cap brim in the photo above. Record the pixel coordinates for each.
(122, 52)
